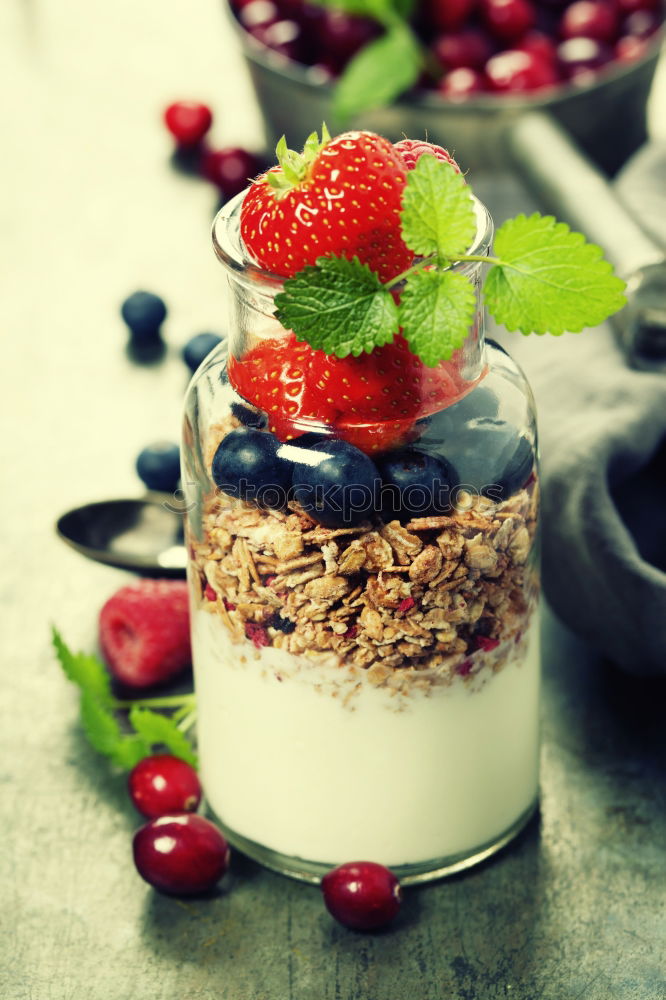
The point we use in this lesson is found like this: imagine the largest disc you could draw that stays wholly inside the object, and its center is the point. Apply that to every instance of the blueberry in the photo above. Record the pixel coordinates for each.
(480, 402)
(246, 465)
(415, 484)
(158, 465)
(336, 484)
(248, 415)
(491, 457)
(198, 348)
(144, 313)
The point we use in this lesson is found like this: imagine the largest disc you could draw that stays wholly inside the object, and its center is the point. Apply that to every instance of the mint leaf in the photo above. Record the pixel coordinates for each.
(155, 728)
(378, 73)
(338, 306)
(106, 736)
(380, 10)
(436, 312)
(437, 210)
(84, 670)
(549, 279)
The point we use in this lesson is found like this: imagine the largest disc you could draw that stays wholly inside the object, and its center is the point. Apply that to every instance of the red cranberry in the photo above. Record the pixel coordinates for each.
(184, 855)
(340, 36)
(516, 71)
(188, 121)
(508, 19)
(461, 83)
(538, 44)
(447, 15)
(362, 895)
(257, 13)
(629, 49)
(642, 24)
(589, 19)
(580, 58)
(164, 784)
(231, 169)
(468, 47)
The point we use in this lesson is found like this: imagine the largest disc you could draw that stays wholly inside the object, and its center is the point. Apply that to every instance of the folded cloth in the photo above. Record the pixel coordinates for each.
(603, 443)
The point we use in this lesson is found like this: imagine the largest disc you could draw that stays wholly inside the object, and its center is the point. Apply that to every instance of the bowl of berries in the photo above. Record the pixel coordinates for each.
(459, 71)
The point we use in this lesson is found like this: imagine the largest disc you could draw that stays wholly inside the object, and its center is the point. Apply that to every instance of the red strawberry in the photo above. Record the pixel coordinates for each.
(144, 632)
(373, 401)
(274, 376)
(341, 196)
(412, 150)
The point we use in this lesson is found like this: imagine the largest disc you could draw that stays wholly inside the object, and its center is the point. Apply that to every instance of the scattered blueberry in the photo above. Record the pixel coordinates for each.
(491, 457)
(246, 465)
(198, 348)
(338, 485)
(248, 415)
(415, 484)
(158, 465)
(144, 313)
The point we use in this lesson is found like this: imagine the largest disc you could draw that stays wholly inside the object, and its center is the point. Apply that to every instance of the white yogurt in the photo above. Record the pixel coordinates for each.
(310, 763)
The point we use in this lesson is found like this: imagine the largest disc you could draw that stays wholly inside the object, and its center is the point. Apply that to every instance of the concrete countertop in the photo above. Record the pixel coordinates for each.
(91, 210)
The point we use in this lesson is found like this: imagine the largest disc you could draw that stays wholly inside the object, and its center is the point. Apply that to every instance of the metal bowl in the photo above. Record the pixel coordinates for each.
(606, 117)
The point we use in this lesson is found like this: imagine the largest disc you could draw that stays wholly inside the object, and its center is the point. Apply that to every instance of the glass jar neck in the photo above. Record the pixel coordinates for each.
(252, 290)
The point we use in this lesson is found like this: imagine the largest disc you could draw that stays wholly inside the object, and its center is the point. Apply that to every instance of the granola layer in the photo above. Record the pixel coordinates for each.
(443, 595)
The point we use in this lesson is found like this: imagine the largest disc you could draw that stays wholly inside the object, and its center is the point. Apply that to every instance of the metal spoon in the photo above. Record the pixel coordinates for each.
(144, 536)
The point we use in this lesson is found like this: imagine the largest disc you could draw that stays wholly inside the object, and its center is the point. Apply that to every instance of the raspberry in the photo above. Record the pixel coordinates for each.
(412, 150)
(144, 632)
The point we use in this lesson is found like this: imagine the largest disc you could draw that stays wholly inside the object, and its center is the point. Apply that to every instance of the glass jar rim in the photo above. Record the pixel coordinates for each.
(232, 253)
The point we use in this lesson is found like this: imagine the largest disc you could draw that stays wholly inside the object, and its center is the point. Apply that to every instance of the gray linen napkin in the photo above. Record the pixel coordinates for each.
(603, 445)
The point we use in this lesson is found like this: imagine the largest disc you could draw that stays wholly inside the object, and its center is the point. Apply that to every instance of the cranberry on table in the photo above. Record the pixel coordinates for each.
(589, 19)
(461, 83)
(180, 854)
(517, 71)
(362, 895)
(231, 169)
(188, 121)
(164, 784)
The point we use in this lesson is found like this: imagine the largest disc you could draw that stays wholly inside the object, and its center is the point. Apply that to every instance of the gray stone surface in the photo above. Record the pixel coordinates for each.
(90, 211)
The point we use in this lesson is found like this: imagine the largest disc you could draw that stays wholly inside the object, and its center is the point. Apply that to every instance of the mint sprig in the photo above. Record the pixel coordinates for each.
(366, 83)
(339, 306)
(144, 730)
(548, 279)
(545, 278)
(438, 215)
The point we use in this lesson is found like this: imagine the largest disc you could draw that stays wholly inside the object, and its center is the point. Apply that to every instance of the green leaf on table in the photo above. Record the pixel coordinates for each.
(436, 313)
(549, 279)
(437, 210)
(155, 728)
(86, 671)
(338, 306)
(105, 735)
(378, 73)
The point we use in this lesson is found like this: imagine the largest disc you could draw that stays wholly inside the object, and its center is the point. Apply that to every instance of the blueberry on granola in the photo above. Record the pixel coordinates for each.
(339, 486)
(246, 465)
(491, 458)
(415, 484)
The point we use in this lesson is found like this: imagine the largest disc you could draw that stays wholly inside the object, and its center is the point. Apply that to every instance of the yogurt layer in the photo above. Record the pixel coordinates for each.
(308, 758)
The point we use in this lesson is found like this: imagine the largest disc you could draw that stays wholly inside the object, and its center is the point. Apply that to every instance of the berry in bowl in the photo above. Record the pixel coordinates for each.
(362, 486)
(458, 72)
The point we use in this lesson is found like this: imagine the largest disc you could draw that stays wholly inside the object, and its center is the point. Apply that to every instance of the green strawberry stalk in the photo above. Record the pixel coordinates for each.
(543, 278)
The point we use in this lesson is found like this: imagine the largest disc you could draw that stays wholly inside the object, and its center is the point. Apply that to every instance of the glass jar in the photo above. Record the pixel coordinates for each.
(364, 592)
